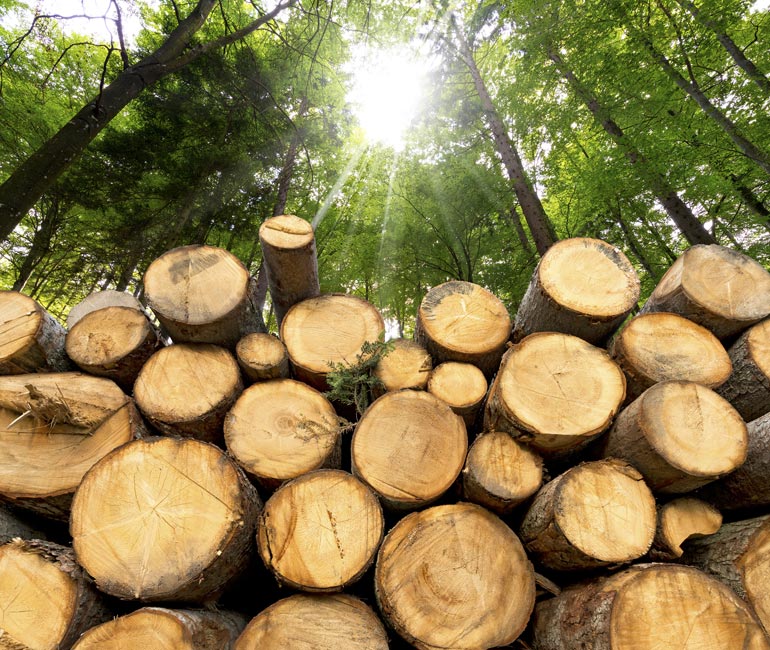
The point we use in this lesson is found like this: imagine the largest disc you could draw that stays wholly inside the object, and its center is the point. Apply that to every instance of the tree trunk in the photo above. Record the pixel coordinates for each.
(454, 576)
(556, 392)
(462, 386)
(281, 429)
(408, 476)
(164, 519)
(303, 621)
(41, 242)
(407, 365)
(262, 357)
(287, 171)
(635, 247)
(679, 521)
(320, 532)
(583, 287)
(680, 436)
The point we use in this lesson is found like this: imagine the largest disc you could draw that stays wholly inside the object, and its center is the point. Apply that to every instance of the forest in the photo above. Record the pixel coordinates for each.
(645, 123)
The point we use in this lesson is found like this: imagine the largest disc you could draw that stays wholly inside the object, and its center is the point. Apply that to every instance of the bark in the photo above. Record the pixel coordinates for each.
(680, 520)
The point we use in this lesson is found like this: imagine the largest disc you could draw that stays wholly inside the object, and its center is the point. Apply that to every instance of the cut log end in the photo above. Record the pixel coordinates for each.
(680, 520)
(407, 365)
(101, 300)
(461, 385)
(286, 232)
(262, 357)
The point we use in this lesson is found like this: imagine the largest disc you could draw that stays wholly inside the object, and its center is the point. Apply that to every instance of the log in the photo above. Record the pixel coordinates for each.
(202, 294)
(581, 286)
(461, 321)
(679, 521)
(164, 519)
(747, 487)
(320, 532)
(30, 339)
(327, 330)
(660, 346)
(718, 288)
(188, 388)
(113, 342)
(596, 514)
(407, 365)
(454, 576)
(289, 256)
(462, 386)
(315, 622)
(262, 356)
(647, 607)
(409, 447)
(680, 436)
(101, 300)
(748, 387)
(46, 599)
(737, 554)
(53, 428)
(500, 473)
(556, 392)
(159, 628)
(281, 429)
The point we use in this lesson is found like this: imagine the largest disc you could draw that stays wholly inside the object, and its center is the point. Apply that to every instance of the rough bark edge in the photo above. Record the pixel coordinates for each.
(44, 352)
(747, 388)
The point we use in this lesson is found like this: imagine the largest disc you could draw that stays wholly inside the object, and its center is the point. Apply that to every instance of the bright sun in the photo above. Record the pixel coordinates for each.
(386, 94)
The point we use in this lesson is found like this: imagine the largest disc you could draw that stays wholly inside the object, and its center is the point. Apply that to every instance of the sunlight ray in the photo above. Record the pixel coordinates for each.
(354, 159)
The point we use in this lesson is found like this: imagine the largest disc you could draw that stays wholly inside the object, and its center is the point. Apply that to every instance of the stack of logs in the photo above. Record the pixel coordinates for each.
(557, 481)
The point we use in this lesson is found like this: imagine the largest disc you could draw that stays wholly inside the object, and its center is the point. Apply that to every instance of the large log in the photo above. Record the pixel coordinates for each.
(281, 429)
(202, 294)
(159, 628)
(407, 365)
(660, 346)
(320, 531)
(748, 387)
(289, 255)
(680, 520)
(30, 339)
(462, 386)
(456, 577)
(716, 287)
(327, 330)
(262, 356)
(581, 286)
(737, 554)
(461, 321)
(46, 599)
(164, 519)
(556, 392)
(595, 514)
(187, 389)
(648, 607)
(680, 436)
(53, 428)
(113, 342)
(409, 447)
(315, 622)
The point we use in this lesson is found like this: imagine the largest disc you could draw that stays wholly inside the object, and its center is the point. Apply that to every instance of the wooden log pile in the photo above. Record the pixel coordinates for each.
(573, 477)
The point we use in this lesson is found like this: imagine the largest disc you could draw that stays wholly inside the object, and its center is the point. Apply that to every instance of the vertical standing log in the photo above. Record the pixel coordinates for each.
(289, 255)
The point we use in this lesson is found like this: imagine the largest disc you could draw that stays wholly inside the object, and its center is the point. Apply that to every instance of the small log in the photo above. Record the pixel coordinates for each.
(647, 607)
(407, 365)
(737, 554)
(660, 346)
(262, 356)
(679, 521)
(409, 447)
(680, 436)
(595, 514)
(500, 472)
(164, 519)
(158, 628)
(326, 330)
(581, 286)
(454, 576)
(315, 622)
(203, 294)
(30, 339)
(281, 429)
(461, 321)
(718, 288)
(113, 342)
(289, 255)
(462, 386)
(556, 392)
(101, 300)
(46, 599)
(748, 388)
(187, 389)
(320, 532)
(53, 428)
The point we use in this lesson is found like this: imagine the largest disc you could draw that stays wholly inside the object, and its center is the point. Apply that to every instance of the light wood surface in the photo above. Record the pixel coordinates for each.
(680, 520)
(407, 365)
(262, 356)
